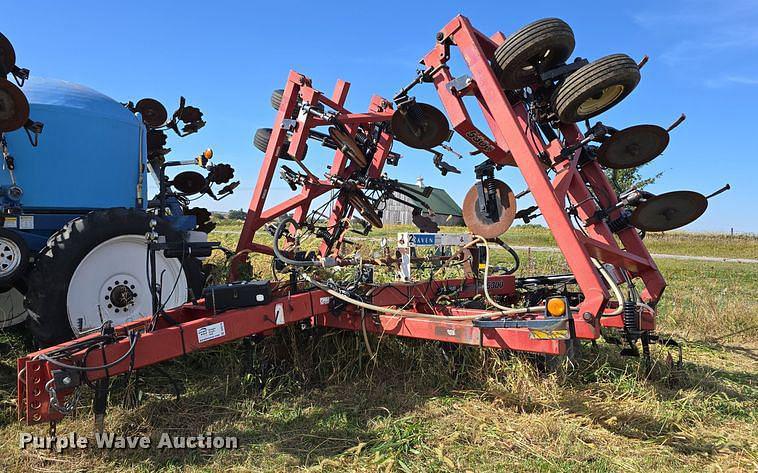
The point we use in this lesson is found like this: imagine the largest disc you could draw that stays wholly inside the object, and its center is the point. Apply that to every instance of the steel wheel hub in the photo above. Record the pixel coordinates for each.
(111, 283)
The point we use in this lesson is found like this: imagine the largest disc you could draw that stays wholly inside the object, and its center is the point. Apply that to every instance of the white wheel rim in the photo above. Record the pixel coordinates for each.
(10, 256)
(111, 283)
(12, 310)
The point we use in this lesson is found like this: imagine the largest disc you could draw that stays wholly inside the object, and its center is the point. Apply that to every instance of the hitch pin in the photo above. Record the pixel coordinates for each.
(722, 190)
(676, 123)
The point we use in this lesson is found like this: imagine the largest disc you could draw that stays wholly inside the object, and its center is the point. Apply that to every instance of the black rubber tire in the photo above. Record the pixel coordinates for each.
(276, 98)
(8, 280)
(262, 137)
(55, 265)
(522, 48)
(276, 101)
(592, 79)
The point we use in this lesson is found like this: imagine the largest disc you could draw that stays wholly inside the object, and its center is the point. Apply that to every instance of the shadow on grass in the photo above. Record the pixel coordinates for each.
(321, 396)
(294, 424)
(716, 393)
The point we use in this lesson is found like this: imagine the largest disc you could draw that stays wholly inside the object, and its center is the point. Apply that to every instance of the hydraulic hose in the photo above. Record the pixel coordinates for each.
(133, 337)
(617, 292)
(514, 255)
(504, 312)
(277, 252)
(614, 288)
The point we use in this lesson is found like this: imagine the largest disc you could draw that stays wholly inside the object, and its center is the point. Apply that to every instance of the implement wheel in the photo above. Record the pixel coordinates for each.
(535, 48)
(95, 269)
(595, 88)
(276, 98)
(263, 136)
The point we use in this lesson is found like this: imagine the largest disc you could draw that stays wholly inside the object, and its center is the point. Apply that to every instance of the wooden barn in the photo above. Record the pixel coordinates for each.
(445, 210)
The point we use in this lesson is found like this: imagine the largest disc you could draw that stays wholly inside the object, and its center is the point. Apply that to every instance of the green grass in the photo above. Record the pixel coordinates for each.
(315, 401)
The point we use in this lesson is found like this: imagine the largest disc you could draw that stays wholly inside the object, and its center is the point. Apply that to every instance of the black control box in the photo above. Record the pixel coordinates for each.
(236, 295)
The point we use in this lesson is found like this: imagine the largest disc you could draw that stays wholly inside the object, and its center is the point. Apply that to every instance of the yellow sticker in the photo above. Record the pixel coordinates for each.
(548, 334)
(10, 222)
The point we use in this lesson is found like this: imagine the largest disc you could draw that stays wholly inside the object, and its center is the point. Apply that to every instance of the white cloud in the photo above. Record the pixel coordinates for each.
(706, 37)
(724, 81)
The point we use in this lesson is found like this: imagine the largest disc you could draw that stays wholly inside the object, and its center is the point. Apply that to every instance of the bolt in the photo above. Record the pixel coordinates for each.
(588, 317)
(440, 36)
(66, 380)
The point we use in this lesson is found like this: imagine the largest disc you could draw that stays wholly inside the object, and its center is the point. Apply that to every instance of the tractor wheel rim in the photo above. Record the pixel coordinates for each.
(607, 97)
(110, 283)
(10, 256)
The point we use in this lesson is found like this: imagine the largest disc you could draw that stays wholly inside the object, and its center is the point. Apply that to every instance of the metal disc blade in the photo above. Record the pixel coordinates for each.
(189, 182)
(425, 223)
(154, 114)
(669, 211)
(360, 202)
(202, 219)
(424, 128)
(7, 54)
(156, 139)
(477, 220)
(14, 107)
(633, 146)
(190, 114)
(347, 144)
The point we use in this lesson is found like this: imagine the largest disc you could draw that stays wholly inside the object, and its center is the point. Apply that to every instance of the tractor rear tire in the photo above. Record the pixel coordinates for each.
(47, 294)
(535, 48)
(596, 87)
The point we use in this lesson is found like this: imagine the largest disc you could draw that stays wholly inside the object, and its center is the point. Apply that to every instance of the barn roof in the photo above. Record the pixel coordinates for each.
(439, 201)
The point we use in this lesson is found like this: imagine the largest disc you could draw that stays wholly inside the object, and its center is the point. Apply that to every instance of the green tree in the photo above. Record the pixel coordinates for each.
(624, 179)
(237, 214)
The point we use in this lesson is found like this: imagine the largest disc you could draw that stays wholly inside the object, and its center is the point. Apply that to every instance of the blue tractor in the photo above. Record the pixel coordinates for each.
(74, 206)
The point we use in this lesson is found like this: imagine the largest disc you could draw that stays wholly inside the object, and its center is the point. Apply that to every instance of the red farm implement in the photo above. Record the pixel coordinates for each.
(531, 99)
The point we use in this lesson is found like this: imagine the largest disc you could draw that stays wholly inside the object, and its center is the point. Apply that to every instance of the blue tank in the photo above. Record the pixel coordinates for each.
(91, 153)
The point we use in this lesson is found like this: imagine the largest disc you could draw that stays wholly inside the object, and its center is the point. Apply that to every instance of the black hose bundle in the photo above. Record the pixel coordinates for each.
(278, 253)
(514, 255)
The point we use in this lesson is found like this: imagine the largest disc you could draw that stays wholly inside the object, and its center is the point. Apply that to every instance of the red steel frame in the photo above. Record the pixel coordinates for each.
(380, 110)
(514, 144)
(511, 145)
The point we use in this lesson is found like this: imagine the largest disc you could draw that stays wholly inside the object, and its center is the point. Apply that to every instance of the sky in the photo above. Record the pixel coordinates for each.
(226, 57)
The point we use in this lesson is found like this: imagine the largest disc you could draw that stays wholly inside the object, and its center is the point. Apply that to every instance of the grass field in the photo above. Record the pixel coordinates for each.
(316, 401)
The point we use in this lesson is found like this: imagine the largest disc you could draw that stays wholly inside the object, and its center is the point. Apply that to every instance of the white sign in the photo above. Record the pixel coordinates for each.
(209, 332)
(26, 222)
(409, 240)
(279, 314)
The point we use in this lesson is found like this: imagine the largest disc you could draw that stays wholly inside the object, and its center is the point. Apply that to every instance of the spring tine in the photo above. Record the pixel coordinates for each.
(723, 189)
(676, 123)
(643, 61)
